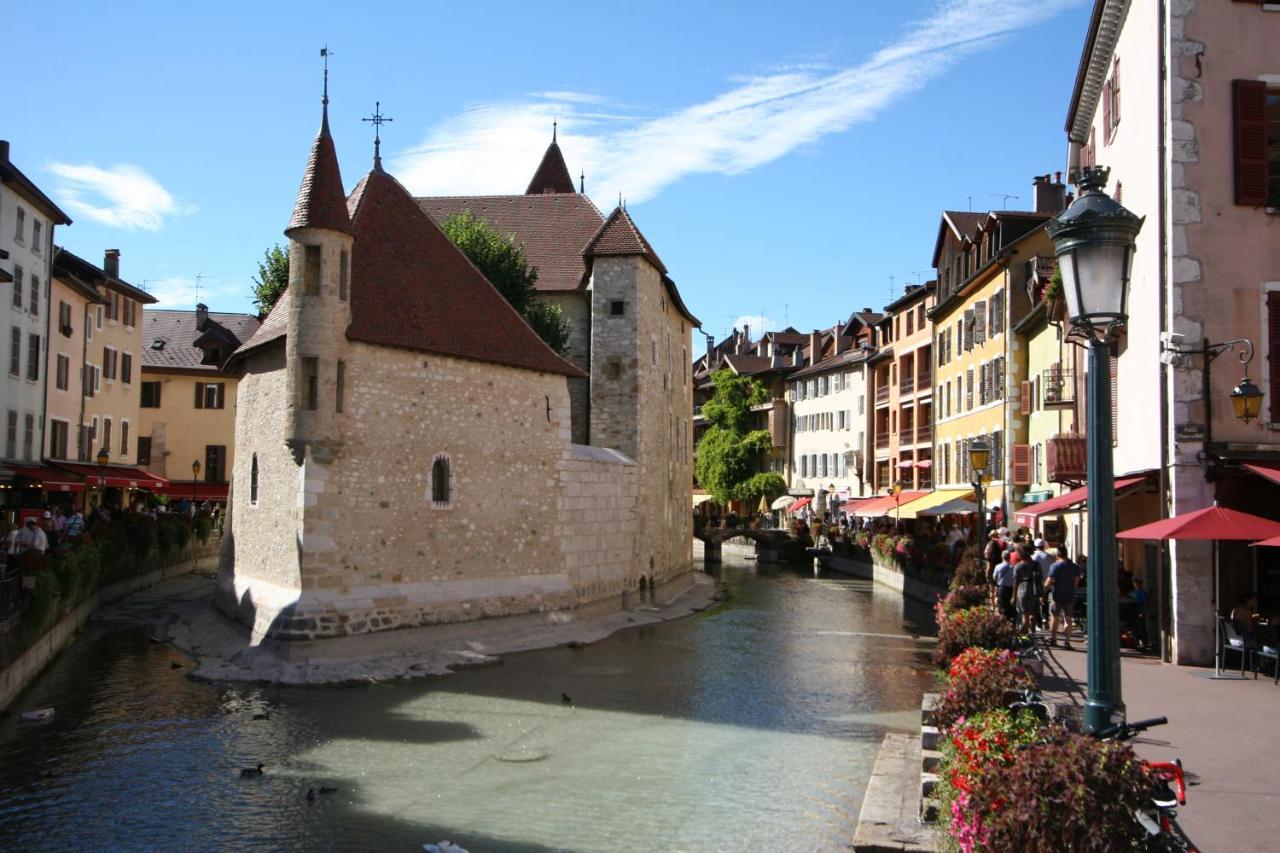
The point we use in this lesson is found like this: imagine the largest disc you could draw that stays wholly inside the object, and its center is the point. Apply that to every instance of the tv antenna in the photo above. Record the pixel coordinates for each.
(1004, 199)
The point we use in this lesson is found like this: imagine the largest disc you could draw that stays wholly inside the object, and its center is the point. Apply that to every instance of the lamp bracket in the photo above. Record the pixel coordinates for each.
(1211, 351)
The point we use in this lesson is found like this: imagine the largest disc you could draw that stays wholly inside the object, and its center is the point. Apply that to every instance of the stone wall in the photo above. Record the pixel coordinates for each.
(574, 308)
(533, 523)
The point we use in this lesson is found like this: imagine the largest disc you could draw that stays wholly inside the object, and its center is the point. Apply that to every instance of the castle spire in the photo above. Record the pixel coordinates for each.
(321, 201)
(552, 175)
(377, 120)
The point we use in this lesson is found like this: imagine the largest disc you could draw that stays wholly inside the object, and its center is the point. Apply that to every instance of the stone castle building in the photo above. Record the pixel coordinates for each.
(406, 443)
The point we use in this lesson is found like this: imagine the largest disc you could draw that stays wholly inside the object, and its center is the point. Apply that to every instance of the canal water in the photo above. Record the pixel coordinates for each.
(753, 726)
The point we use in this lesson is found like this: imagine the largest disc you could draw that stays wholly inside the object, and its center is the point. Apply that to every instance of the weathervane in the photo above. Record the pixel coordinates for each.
(377, 120)
(325, 53)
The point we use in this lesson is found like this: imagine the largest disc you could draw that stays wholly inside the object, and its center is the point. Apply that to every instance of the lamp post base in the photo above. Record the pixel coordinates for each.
(1100, 715)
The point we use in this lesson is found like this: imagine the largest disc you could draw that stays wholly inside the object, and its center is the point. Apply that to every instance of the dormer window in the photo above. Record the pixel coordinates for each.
(157, 344)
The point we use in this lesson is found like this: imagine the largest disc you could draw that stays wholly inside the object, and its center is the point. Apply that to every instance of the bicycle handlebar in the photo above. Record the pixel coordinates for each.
(1124, 731)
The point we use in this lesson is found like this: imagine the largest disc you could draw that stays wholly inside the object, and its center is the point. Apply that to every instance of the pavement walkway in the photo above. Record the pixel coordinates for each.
(1225, 732)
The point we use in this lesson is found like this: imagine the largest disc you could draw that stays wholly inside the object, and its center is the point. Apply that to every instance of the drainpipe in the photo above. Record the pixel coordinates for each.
(1162, 156)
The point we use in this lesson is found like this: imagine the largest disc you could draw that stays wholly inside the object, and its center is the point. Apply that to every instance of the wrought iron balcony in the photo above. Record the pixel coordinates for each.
(1057, 386)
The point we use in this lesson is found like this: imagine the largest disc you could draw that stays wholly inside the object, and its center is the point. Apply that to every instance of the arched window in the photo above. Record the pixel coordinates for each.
(253, 480)
(441, 486)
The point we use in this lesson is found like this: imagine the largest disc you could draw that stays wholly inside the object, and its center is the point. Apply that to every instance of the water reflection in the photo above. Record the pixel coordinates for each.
(753, 725)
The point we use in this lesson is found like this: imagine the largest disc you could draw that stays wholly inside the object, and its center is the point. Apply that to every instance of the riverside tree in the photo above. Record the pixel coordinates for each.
(503, 263)
(725, 461)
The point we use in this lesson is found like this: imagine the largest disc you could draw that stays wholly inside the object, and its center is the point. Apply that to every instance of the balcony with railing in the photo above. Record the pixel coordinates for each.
(924, 379)
(882, 393)
(907, 384)
(924, 434)
(882, 440)
(1057, 387)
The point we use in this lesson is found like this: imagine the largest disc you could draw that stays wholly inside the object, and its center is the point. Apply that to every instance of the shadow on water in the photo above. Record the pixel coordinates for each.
(764, 710)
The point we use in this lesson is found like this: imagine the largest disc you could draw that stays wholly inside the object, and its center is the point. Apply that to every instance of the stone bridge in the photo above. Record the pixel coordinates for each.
(767, 541)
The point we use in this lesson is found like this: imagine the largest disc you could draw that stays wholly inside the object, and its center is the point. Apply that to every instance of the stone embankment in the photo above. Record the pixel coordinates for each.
(224, 652)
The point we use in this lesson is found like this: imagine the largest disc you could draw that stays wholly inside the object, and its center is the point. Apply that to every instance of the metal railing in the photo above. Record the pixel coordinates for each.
(1057, 386)
(924, 433)
(882, 393)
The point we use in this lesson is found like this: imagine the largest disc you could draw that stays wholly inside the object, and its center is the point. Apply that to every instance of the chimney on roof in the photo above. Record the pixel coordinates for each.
(815, 353)
(1049, 193)
(746, 338)
(839, 343)
(202, 316)
(866, 310)
(4, 151)
(111, 263)
(711, 350)
(795, 357)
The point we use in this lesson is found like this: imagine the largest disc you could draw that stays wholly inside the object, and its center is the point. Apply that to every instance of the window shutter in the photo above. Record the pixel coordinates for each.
(979, 322)
(1022, 464)
(1273, 335)
(1249, 108)
(199, 395)
(968, 329)
(1024, 404)
(1115, 92)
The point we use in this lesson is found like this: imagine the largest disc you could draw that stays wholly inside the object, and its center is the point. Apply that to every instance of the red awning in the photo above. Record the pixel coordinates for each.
(925, 463)
(1270, 470)
(1214, 522)
(1274, 542)
(116, 476)
(1028, 515)
(885, 504)
(800, 504)
(202, 491)
(49, 479)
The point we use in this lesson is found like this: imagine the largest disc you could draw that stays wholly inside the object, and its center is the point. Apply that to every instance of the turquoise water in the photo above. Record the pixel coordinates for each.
(751, 726)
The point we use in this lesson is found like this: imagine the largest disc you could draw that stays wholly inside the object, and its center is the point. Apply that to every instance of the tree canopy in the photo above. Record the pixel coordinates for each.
(272, 279)
(502, 261)
(726, 453)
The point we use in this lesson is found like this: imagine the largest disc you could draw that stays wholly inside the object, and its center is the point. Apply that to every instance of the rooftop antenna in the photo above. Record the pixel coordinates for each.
(786, 315)
(971, 204)
(200, 277)
(892, 285)
(1004, 199)
(377, 120)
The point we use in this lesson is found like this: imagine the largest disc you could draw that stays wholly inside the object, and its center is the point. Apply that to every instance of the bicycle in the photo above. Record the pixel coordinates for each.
(1169, 790)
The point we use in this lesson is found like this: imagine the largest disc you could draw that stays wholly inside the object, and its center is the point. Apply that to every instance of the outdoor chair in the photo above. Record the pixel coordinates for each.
(1233, 642)
(1268, 647)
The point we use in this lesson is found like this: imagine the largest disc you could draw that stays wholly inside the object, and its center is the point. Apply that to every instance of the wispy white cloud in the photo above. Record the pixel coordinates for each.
(181, 292)
(123, 196)
(487, 148)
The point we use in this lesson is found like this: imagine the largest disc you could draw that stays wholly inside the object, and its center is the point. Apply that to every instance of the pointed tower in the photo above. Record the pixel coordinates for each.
(319, 305)
(552, 175)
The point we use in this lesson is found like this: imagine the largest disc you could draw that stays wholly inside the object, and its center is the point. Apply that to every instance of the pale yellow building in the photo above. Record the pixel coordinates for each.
(188, 402)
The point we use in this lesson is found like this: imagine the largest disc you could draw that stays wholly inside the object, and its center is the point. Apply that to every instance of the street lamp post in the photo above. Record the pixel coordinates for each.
(896, 491)
(195, 475)
(979, 459)
(1094, 239)
(103, 458)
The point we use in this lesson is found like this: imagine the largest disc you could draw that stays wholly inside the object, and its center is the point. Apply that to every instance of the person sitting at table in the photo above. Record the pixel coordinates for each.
(1244, 616)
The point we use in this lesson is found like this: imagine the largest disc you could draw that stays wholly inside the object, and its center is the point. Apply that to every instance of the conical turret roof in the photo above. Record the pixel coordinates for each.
(321, 202)
(552, 175)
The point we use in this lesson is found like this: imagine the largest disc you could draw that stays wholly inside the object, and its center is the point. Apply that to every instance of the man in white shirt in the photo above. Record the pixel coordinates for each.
(32, 538)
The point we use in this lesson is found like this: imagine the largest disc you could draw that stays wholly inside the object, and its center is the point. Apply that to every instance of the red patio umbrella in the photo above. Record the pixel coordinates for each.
(1274, 540)
(1213, 523)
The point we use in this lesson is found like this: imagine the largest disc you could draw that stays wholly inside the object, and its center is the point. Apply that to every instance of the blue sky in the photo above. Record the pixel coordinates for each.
(786, 160)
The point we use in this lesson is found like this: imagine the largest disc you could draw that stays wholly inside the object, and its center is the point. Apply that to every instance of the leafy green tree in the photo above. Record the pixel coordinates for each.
(727, 451)
(272, 279)
(502, 261)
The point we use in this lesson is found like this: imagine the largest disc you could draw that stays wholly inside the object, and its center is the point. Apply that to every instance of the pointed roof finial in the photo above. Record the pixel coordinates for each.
(552, 175)
(324, 102)
(377, 120)
(554, 122)
(582, 182)
(619, 199)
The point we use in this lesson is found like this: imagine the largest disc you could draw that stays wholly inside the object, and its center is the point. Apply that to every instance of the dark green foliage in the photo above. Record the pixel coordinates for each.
(977, 627)
(1075, 793)
(272, 279)
(964, 597)
(726, 459)
(503, 263)
(971, 571)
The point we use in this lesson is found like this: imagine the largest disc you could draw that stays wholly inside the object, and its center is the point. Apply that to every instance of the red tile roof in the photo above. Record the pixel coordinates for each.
(620, 236)
(321, 202)
(552, 175)
(176, 334)
(412, 288)
(273, 328)
(552, 229)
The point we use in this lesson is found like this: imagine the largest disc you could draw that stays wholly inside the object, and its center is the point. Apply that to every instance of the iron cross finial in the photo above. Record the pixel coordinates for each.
(377, 120)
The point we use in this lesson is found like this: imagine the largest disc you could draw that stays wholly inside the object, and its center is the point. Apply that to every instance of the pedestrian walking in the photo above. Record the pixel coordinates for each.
(1064, 577)
(32, 538)
(1028, 585)
(1002, 576)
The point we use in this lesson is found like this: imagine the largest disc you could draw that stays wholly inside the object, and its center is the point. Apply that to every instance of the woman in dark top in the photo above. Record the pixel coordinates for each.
(1028, 583)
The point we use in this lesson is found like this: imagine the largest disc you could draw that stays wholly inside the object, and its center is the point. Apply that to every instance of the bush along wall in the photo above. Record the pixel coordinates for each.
(124, 547)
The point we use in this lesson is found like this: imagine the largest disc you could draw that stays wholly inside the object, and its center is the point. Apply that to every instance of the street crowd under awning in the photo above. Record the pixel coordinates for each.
(931, 500)
(885, 504)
